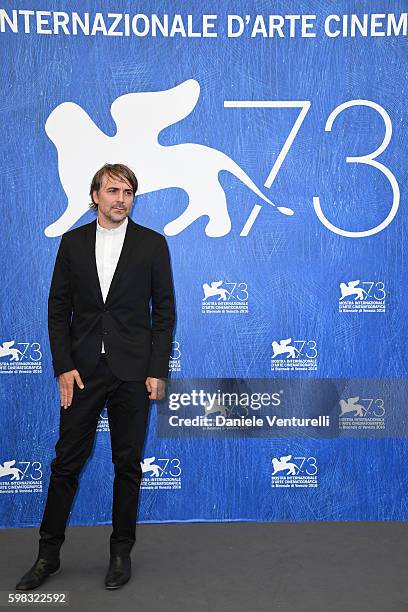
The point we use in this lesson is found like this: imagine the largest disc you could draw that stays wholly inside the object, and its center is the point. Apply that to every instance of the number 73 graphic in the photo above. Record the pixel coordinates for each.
(369, 159)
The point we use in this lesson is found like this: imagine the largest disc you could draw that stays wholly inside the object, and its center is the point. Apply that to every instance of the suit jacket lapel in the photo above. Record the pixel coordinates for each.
(91, 258)
(124, 258)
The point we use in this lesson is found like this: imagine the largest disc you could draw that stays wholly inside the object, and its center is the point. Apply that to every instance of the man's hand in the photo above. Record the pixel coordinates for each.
(66, 385)
(156, 387)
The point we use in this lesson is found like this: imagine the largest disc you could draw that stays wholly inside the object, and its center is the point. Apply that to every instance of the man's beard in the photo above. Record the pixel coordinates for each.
(114, 219)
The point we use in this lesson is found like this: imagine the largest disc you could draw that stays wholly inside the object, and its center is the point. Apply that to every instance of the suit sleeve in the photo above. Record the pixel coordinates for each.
(60, 312)
(163, 311)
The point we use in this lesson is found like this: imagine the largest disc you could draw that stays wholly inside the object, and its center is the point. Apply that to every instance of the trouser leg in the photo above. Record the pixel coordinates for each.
(77, 432)
(128, 410)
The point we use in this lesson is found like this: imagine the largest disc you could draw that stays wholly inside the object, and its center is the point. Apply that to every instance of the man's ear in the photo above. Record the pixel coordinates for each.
(95, 196)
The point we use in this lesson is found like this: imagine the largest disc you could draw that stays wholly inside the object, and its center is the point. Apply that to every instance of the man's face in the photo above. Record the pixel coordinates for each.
(114, 199)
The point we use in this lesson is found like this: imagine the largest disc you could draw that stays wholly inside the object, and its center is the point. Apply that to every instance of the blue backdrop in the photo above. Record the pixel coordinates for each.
(271, 152)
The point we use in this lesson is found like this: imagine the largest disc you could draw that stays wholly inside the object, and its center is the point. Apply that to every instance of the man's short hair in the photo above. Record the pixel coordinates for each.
(119, 171)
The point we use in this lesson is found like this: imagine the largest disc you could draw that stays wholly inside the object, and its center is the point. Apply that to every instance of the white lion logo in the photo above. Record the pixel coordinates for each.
(140, 117)
(351, 405)
(283, 464)
(148, 465)
(351, 289)
(282, 347)
(6, 350)
(7, 469)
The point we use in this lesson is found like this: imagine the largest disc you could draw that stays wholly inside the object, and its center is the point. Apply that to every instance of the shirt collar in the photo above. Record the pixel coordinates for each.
(116, 230)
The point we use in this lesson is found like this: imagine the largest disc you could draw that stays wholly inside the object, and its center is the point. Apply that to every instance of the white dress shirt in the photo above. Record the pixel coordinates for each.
(108, 246)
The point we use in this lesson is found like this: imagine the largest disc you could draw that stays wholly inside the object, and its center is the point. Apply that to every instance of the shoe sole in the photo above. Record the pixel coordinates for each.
(113, 588)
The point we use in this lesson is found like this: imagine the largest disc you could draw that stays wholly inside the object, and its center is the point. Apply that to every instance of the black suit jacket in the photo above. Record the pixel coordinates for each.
(136, 321)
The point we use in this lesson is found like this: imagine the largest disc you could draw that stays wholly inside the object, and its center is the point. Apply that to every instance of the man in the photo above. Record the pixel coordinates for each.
(107, 348)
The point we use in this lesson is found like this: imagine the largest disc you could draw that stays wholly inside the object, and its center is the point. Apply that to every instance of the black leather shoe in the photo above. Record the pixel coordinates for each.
(119, 572)
(35, 576)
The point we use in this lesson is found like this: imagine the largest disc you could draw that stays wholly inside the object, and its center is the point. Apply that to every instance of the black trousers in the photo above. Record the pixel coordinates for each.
(128, 409)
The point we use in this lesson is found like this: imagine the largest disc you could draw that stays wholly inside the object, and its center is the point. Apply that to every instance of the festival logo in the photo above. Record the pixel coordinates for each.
(161, 473)
(294, 472)
(175, 357)
(293, 355)
(221, 297)
(103, 421)
(21, 476)
(140, 118)
(362, 296)
(20, 357)
(366, 413)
